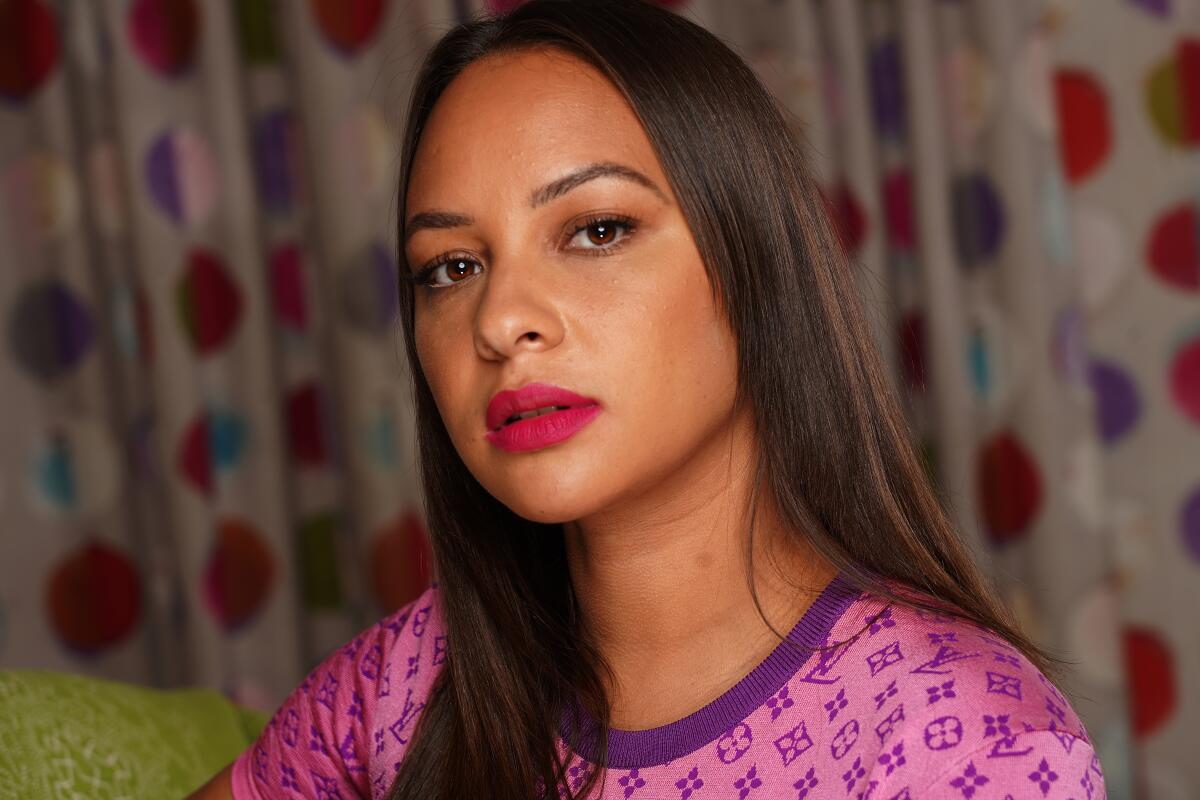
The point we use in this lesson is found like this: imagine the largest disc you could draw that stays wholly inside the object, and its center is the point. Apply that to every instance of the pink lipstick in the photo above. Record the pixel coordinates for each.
(537, 415)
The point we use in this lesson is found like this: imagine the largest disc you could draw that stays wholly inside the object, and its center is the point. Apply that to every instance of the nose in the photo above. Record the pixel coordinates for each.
(516, 312)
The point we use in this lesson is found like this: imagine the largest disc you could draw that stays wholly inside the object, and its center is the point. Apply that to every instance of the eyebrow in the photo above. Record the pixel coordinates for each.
(450, 219)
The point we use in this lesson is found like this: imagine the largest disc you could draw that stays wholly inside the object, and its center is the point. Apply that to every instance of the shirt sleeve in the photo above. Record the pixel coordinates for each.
(315, 745)
(1034, 765)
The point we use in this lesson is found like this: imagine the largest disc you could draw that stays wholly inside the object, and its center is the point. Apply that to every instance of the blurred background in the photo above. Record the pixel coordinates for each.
(206, 450)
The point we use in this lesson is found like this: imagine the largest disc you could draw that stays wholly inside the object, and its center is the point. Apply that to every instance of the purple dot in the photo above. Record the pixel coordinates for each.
(368, 289)
(1189, 519)
(274, 155)
(978, 218)
(887, 91)
(162, 173)
(51, 330)
(1160, 8)
(1118, 404)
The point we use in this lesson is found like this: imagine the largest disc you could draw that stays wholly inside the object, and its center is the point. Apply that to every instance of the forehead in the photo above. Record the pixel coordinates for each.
(515, 120)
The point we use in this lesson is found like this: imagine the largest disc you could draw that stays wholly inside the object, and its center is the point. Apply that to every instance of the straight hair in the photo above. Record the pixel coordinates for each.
(834, 449)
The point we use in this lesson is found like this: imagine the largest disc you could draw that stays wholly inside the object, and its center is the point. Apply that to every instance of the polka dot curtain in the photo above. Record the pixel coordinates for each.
(207, 473)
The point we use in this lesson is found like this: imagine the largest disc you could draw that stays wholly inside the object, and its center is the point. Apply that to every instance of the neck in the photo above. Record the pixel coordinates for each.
(662, 583)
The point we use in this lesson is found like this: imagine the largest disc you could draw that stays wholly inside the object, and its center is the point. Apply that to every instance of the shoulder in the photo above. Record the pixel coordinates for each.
(352, 713)
(942, 699)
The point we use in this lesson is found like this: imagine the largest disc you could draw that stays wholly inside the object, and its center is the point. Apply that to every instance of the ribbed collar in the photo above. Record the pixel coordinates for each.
(654, 746)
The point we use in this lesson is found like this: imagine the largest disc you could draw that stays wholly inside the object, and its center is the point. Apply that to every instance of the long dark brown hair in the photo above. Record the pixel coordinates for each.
(834, 448)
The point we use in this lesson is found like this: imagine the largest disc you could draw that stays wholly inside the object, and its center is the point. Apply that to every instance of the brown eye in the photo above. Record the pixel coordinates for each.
(447, 272)
(601, 233)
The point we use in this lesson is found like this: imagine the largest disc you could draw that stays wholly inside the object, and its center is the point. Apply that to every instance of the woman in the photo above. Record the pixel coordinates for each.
(678, 526)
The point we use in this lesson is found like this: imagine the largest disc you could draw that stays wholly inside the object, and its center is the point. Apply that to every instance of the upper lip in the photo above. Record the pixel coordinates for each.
(530, 397)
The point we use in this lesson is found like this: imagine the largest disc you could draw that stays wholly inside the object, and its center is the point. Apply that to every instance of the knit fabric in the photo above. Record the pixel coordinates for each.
(896, 704)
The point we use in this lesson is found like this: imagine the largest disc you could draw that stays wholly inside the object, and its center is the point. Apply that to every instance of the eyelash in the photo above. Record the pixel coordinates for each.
(628, 223)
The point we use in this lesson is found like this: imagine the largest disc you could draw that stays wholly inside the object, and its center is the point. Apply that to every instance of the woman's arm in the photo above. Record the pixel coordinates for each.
(219, 787)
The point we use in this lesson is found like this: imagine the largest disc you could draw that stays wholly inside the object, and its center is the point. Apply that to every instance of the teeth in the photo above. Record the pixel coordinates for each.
(537, 412)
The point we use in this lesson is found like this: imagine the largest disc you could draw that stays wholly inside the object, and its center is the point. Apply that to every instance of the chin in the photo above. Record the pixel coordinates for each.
(557, 497)
(539, 508)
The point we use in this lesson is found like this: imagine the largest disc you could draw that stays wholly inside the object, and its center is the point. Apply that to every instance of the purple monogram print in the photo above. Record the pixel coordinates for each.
(844, 741)
(748, 782)
(406, 717)
(852, 775)
(735, 744)
(779, 702)
(290, 733)
(884, 729)
(806, 783)
(940, 691)
(327, 691)
(883, 620)
(996, 725)
(893, 759)
(287, 778)
(689, 783)
(867, 665)
(836, 704)
(631, 782)
(1043, 777)
(998, 683)
(793, 743)
(439, 650)
(884, 657)
(370, 663)
(883, 696)
(260, 764)
(943, 733)
(970, 780)
(420, 620)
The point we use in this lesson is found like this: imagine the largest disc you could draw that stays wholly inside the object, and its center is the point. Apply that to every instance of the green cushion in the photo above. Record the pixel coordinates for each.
(75, 737)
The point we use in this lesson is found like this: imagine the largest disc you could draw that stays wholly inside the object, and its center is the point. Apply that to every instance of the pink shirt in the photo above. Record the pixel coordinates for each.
(916, 705)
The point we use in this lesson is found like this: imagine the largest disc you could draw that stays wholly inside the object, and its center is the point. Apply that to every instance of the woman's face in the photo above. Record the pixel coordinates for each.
(593, 285)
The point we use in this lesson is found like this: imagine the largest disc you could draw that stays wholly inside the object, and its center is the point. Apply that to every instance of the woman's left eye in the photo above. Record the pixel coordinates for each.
(602, 233)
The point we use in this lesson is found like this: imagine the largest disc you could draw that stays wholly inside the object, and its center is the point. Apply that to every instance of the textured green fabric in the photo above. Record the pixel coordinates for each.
(67, 736)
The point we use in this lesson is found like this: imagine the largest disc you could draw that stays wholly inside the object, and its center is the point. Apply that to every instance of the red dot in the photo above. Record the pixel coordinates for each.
(1151, 671)
(897, 206)
(287, 287)
(306, 425)
(400, 562)
(1187, 66)
(28, 47)
(239, 574)
(164, 33)
(195, 455)
(1010, 488)
(503, 6)
(1171, 250)
(1085, 136)
(210, 303)
(1185, 379)
(848, 218)
(94, 597)
(348, 24)
(912, 348)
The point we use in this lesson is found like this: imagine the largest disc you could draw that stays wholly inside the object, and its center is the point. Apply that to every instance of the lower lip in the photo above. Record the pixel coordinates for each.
(542, 431)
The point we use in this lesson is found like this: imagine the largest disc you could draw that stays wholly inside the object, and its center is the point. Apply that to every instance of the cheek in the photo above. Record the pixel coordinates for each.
(438, 356)
(693, 337)
(677, 352)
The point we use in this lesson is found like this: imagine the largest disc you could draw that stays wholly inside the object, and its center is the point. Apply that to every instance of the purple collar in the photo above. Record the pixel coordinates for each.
(647, 748)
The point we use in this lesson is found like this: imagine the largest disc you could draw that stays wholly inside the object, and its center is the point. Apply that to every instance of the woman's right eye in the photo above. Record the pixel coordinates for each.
(447, 272)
